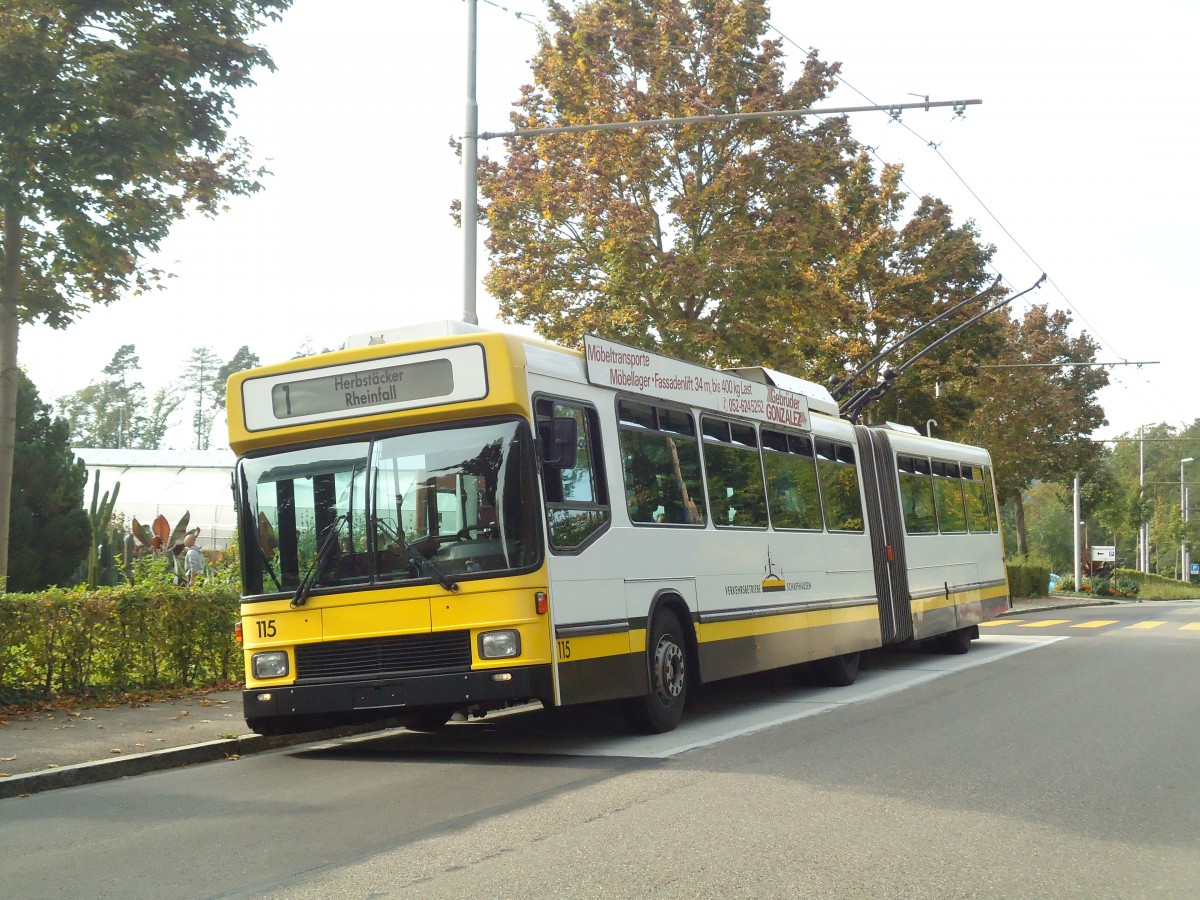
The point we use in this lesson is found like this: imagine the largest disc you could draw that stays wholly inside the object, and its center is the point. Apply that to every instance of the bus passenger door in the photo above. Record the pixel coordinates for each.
(583, 617)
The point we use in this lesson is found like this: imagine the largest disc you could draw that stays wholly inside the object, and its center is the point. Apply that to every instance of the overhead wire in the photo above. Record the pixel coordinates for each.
(936, 147)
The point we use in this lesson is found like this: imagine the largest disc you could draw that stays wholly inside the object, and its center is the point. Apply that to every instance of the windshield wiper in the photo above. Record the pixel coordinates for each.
(328, 545)
(421, 561)
(416, 557)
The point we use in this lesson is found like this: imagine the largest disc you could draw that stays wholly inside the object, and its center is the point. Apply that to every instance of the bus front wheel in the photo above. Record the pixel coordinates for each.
(661, 708)
(432, 718)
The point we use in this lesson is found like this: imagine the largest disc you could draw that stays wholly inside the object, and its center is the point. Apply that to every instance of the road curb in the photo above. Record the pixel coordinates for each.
(157, 760)
(1050, 607)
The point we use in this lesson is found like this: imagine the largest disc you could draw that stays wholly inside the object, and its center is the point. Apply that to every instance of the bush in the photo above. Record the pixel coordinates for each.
(113, 640)
(1028, 579)
(1156, 587)
(1124, 586)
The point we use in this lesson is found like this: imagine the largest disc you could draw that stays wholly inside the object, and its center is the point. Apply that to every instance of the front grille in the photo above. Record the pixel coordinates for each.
(369, 657)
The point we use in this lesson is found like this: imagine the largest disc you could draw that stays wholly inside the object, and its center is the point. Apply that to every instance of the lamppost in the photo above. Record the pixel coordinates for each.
(1183, 554)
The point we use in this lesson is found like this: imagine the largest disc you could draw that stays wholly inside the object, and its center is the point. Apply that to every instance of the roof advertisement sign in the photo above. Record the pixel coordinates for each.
(622, 368)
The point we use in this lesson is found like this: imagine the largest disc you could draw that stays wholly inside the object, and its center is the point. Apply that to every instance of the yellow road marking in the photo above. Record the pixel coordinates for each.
(994, 622)
(1190, 626)
(1146, 624)
(1099, 623)
(1045, 623)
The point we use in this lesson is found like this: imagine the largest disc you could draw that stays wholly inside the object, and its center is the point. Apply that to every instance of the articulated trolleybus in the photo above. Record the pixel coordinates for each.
(446, 519)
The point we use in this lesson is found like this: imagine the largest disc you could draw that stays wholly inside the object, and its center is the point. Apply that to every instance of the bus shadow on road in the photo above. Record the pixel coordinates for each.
(716, 712)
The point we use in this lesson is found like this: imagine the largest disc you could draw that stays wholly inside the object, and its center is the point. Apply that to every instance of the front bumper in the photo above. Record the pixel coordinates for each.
(386, 697)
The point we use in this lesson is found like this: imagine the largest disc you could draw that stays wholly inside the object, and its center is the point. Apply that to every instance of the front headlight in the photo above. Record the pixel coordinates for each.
(269, 665)
(499, 644)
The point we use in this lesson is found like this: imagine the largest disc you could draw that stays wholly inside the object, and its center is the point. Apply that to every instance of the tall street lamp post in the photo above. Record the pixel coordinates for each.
(1183, 554)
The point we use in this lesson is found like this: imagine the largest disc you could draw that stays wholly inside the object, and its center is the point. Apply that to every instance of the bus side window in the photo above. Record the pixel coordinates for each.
(735, 479)
(575, 493)
(660, 465)
(948, 495)
(978, 512)
(916, 495)
(989, 496)
(792, 492)
(838, 473)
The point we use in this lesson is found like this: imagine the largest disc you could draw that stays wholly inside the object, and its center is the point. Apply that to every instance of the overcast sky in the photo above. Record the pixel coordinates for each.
(1079, 163)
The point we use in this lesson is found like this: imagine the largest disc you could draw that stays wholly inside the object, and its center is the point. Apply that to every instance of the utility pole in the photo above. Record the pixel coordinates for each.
(1075, 528)
(1184, 575)
(1143, 526)
(470, 144)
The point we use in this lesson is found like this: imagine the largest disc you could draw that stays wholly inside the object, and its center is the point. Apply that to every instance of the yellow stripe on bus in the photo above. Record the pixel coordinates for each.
(758, 625)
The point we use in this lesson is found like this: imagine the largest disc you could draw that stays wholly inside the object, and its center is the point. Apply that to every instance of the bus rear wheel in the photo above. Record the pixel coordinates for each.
(661, 708)
(956, 642)
(836, 671)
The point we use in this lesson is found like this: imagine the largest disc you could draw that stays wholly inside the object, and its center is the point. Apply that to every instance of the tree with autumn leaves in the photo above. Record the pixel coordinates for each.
(695, 239)
(773, 241)
(770, 242)
(1035, 420)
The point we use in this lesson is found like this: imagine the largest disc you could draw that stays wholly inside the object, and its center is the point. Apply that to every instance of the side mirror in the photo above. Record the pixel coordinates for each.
(560, 439)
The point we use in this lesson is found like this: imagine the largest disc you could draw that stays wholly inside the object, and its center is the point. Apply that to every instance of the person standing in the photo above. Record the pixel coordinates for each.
(193, 560)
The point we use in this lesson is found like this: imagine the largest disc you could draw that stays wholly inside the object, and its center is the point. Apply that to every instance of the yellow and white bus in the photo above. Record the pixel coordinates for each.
(447, 519)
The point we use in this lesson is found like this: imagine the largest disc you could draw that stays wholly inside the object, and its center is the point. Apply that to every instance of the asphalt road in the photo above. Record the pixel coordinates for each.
(1054, 760)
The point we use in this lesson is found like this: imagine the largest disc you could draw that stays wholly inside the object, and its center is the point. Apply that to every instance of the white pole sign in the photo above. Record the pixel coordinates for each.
(623, 368)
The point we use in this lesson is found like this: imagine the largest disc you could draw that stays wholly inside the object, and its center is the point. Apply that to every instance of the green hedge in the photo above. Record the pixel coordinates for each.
(113, 640)
(1158, 587)
(1028, 580)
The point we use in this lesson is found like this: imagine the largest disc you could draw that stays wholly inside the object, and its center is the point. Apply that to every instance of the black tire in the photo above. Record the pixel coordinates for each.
(433, 718)
(955, 643)
(661, 708)
(835, 671)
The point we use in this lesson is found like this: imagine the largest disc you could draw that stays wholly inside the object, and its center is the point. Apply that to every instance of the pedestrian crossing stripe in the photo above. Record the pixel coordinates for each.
(1094, 623)
(1044, 623)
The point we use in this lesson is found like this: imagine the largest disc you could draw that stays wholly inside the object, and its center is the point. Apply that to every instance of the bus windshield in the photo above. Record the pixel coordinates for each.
(441, 504)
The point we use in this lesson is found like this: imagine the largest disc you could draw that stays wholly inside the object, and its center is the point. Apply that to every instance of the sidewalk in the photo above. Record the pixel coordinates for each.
(49, 749)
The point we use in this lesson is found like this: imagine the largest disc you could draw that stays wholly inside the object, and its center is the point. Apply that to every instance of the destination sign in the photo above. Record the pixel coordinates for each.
(623, 368)
(357, 390)
(374, 386)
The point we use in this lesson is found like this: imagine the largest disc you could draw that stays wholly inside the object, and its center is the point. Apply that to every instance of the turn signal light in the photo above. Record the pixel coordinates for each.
(541, 602)
(237, 631)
